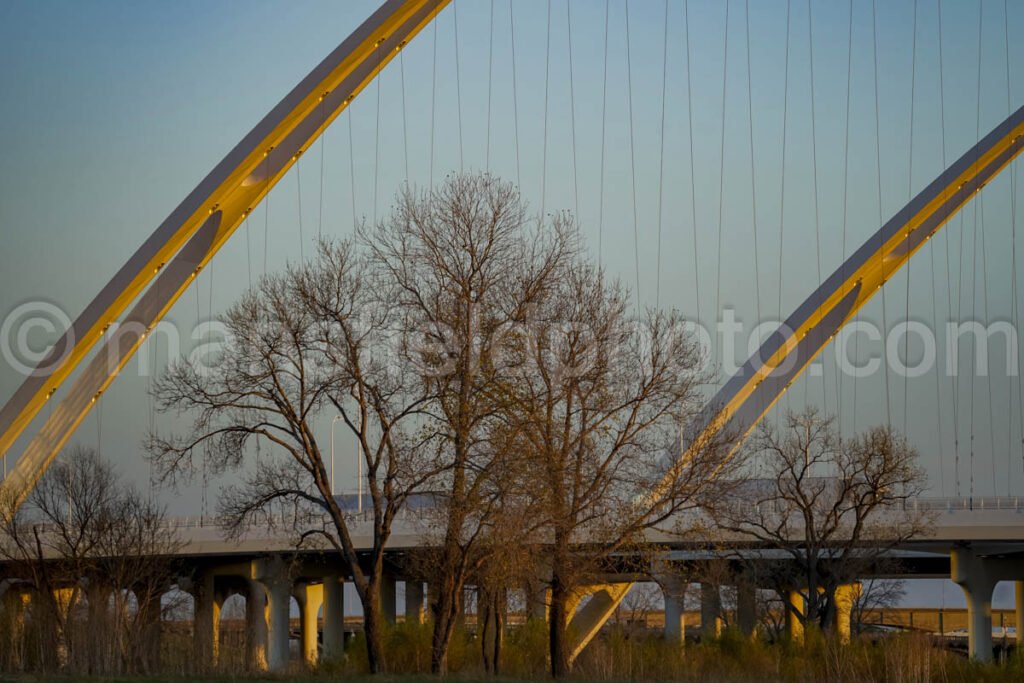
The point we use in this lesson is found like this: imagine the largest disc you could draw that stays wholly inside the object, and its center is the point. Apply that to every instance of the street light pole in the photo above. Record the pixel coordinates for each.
(335, 419)
(359, 465)
(359, 469)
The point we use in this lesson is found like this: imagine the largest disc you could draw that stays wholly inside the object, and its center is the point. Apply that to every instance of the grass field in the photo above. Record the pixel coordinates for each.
(633, 651)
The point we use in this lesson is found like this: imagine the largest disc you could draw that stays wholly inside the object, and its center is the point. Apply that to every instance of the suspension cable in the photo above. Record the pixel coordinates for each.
(298, 190)
(878, 170)
(323, 146)
(458, 81)
(974, 254)
(814, 169)
(753, 165)
(988, 381)
(405, 115)
(910, 190)
(544, 153)
(721, 170)
(490, 83)
(351, 171)
(572, 113)
(693, 180)
(604, 119)
(935, 326)
(949, 294)
(632, 160)
(782, 173)
(1013, 264)
(846, 188)
(433, 105)
(661, 155)
(376, 137)
(266, 210)
(515, 93)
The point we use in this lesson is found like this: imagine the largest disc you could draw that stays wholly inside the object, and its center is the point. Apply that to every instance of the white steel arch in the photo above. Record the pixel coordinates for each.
(162, 268)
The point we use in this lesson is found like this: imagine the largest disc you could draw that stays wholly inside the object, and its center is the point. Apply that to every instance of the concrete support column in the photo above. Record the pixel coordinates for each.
(460, 616)
(431, 599)
(273, 575)
(205, 623)
(278, 608)
(334, 618)
(1018, 592)
(538, 602)
(846, 596)
(388, 601)
(98, 595)
(746, 608)
(414, 602)
(710, 610)
(973, 574)
(979, 621)
(64, 599)
(796, 606)
(256, 626)
(310, 597)
(675, 618)
(148, 601)
(673, 591)
(16, 602)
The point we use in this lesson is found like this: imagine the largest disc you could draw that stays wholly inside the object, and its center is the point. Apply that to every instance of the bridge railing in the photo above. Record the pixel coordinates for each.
(924, 504)
(966, 503)
(285, 521)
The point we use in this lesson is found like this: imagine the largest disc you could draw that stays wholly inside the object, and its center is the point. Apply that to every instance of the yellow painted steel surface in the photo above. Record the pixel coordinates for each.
(762, 380)
(217, 206)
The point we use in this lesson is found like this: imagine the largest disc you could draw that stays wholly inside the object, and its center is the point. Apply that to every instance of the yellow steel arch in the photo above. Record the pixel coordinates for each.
(762, 380)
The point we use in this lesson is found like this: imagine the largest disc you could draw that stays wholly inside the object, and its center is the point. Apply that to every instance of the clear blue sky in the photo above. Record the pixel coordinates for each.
(113, 111)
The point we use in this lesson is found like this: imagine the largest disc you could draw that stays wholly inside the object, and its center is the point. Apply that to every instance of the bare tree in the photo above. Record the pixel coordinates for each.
(510, 556)
(96, 558)
(835, 506)
(635, 610)
(317, 339)
(876, 595)
(600, 405)
(467, 267)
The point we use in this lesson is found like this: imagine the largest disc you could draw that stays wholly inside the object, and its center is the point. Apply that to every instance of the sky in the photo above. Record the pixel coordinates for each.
(113, 111)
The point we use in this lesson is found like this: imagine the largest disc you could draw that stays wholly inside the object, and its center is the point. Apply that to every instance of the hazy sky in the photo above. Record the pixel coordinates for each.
(113, 111)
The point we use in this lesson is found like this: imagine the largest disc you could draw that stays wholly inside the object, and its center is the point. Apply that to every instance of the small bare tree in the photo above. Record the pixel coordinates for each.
(317, 339)
(876, 595)
(836, 506)
(96, 557)
(599, 404)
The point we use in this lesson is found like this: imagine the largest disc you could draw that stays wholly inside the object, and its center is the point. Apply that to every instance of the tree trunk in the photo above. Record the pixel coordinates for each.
(446, 608)
(559, 626)
(828, 610)
(372, 623)
(500, 606)
(450, 576)
(444, 625)
(559, 645)
(485, 628)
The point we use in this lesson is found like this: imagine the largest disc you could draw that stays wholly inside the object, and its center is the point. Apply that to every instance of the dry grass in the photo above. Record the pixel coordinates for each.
(630, 655)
